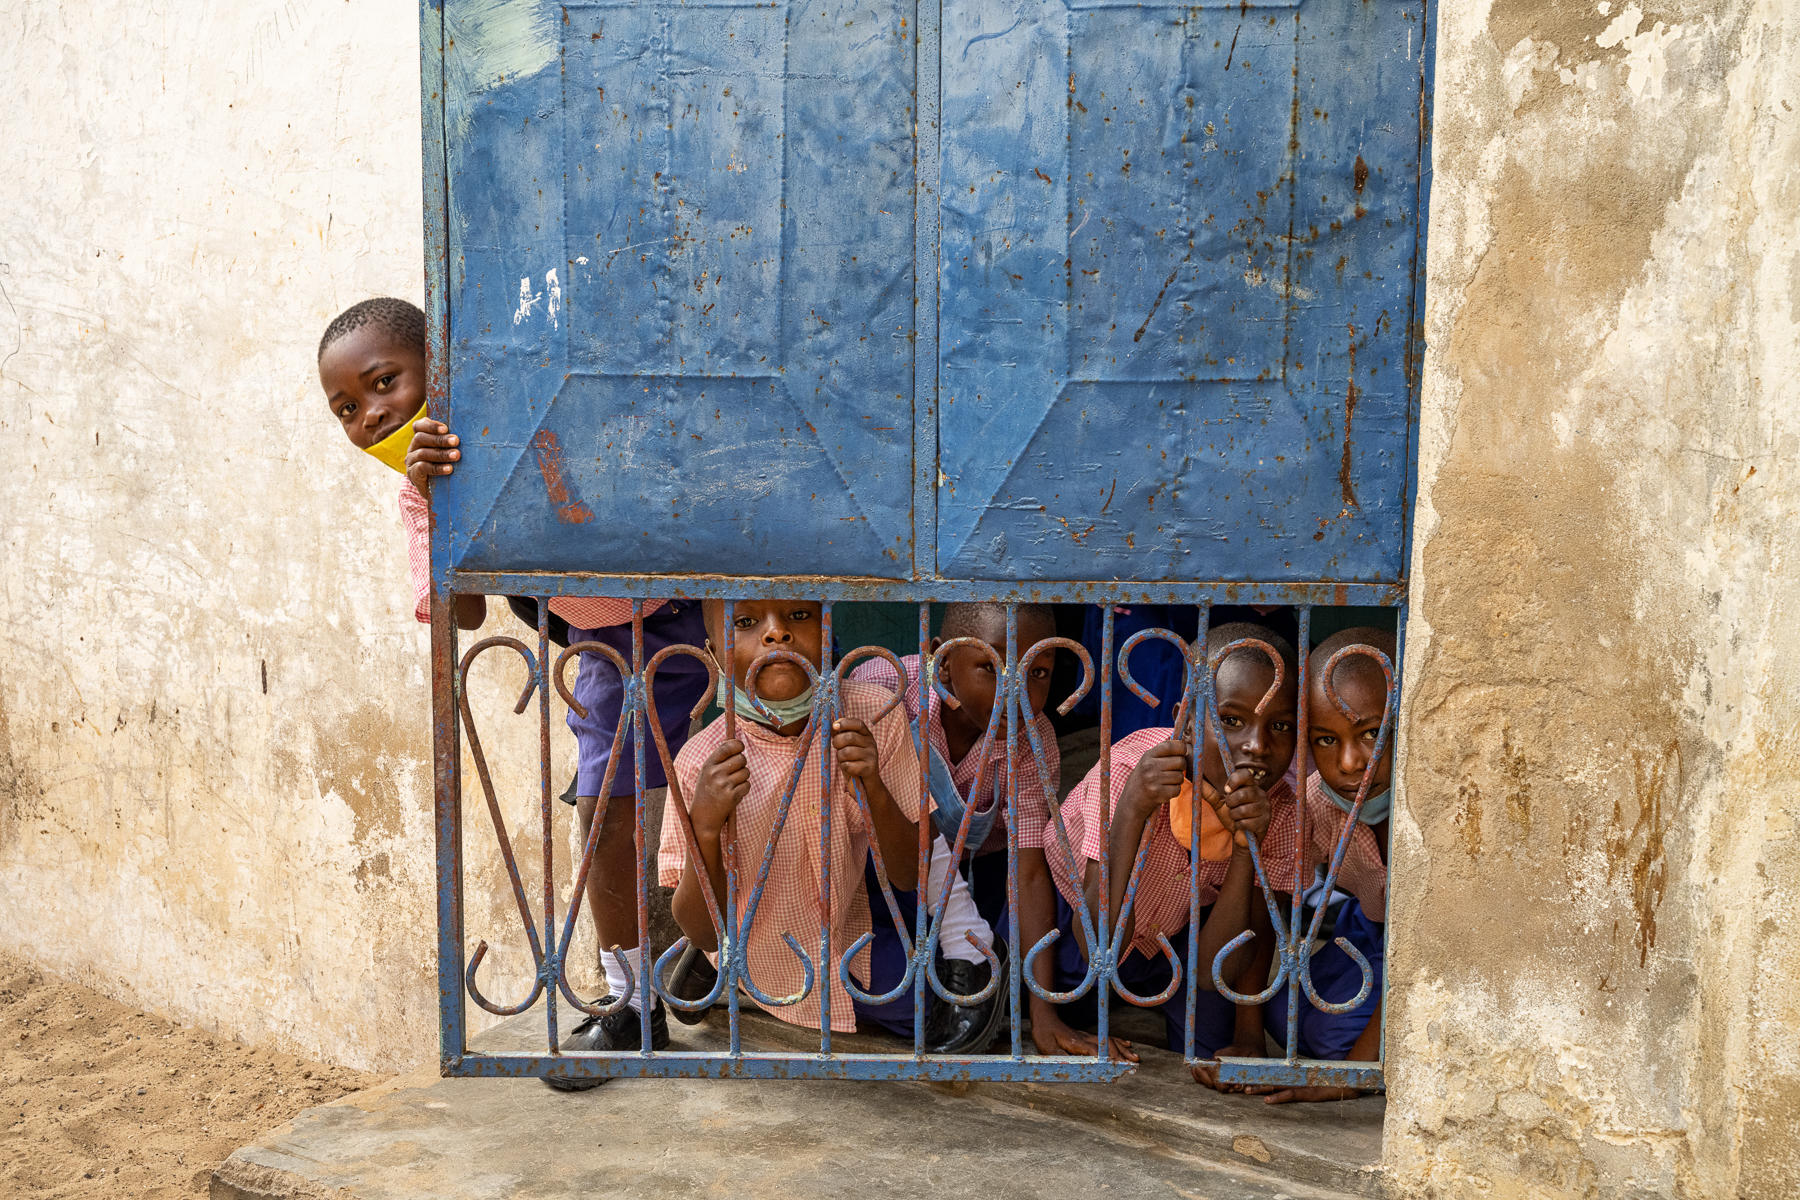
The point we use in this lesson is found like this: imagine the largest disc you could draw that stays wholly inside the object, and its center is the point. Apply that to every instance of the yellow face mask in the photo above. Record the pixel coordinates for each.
(392, 448)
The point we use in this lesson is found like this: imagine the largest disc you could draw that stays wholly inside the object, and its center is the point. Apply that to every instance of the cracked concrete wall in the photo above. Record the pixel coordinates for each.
(214, 701)
(1596, 976)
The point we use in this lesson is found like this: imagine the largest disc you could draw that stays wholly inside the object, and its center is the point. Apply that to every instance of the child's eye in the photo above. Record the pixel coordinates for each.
(385, 382)
(1369, 735)
(1324, 739)
(800, 614)
(742, 622)
(1040, 673)
(1230, 722)
(1281, 726)
(345, 412)
(985, 667)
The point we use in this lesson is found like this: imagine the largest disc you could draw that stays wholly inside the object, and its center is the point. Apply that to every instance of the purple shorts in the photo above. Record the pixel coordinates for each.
(680, 682)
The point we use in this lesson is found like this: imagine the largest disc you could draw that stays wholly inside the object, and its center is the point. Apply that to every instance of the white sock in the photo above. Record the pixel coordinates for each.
(616, 983)
(960, 915)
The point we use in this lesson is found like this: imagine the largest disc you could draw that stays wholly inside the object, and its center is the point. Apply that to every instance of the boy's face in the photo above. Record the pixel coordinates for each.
(1342, 746)
(373, 382)
(970, 676)
(1263, 742)
(759, 626)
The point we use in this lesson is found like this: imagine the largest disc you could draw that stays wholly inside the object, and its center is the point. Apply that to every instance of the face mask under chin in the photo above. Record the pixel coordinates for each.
(785, 712)
(1375, 807)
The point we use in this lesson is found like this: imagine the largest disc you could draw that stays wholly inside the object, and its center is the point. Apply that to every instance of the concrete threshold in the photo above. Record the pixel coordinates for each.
(1152, 1133)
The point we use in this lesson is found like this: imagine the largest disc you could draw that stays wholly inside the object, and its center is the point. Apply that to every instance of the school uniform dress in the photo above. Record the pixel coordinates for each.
(1361, 922)
(790, 900)
(981, 780)
(679, 683)
(1160, 904)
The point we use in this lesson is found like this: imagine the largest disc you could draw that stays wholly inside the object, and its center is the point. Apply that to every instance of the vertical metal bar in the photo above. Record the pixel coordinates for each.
(924, 905)
(642, 961)
(1014, 699)
(926, 91)
(1103, 918)
(1296, 950)
(1400, 615)
(1195, 722)
(541, 671)
(1200, 715)
(732, 936)
(820, 729)
(445, 740)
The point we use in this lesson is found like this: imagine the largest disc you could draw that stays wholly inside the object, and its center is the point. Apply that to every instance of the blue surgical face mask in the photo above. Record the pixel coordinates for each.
(1374, 810)
(786, 712)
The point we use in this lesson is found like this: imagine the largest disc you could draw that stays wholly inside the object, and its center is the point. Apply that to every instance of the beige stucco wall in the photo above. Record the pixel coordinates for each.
(1596, 970)
(214, 723)
(1596, 975)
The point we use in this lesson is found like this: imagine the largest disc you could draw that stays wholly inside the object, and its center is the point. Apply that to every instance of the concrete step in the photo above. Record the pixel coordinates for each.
(1153, 1133)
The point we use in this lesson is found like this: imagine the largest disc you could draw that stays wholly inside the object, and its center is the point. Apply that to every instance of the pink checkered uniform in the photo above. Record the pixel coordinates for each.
(581, 612)
(1033, 805)
(1363, 874)
(1161, 903)
(790, 901)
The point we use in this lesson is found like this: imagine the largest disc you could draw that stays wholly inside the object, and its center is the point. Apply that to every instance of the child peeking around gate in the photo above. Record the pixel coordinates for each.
(733, 792)
(1343, 755)
(1153, 799)
(372, 365)
(970, 777)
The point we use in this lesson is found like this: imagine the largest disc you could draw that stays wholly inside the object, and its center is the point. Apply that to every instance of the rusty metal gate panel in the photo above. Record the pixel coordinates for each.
(1177, 276)
(681, 301)
(1013, 300)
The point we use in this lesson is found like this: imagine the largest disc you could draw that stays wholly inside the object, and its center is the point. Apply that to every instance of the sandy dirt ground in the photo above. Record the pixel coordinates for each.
(98, 1099)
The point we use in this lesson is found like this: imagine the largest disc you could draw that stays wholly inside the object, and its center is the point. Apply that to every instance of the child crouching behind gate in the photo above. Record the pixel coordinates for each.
(1341, 747)
(1152, 797)
(732, 790)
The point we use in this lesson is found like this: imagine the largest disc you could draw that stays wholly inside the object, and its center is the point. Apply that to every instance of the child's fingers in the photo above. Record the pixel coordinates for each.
(427, 425)
(1240, 779)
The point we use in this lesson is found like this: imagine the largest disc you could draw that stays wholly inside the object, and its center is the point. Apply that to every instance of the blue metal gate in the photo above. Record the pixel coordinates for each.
(1062, 301)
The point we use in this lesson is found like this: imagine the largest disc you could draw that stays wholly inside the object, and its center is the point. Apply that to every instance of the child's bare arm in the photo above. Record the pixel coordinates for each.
(723, 783)
(1153, 783)
(898, 834)
(1366, 1049)
(1037, 913)
(1243, 808)
(430, 453)
(1247, 1039)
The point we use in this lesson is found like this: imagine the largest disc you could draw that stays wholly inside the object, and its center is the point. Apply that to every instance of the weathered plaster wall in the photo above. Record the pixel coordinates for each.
(214, 755)
(1596, 972)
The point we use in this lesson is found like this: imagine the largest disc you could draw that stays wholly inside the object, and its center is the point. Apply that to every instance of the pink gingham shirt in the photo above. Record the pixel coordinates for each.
(790, 901)
(1161, 902)
(579, 611)
(1363, 874)
(1033, 810)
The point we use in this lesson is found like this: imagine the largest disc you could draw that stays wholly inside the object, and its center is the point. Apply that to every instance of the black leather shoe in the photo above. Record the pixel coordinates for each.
(966, 1029)
(621, 1031)
(692, 979)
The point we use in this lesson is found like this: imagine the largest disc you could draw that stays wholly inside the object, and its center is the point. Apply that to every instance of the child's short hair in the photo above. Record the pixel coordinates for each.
(1368, 635)
(1221, 636)
(402, 320)
(971, 618)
